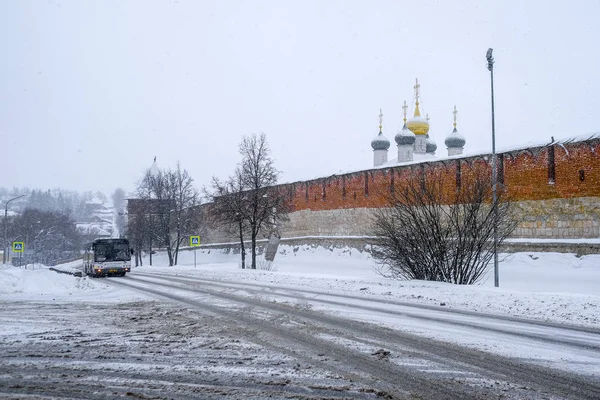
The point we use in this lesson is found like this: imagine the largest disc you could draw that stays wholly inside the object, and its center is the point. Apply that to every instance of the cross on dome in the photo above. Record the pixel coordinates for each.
(380, 142)
(417, 87)
(455, 141)
(455, 112)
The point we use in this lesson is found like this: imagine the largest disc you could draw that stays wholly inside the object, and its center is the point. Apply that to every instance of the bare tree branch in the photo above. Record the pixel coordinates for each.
(165, 216)
(249, 202)
(432, 233)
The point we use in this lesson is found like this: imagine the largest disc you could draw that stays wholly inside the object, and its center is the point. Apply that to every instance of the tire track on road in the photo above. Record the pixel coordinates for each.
(592, 344)
(486, 365)
(392, 381)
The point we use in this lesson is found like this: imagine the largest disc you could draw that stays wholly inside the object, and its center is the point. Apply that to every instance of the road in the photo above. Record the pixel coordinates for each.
(206, 338)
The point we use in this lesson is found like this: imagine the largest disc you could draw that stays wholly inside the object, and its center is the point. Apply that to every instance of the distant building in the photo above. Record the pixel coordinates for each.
(98, 224)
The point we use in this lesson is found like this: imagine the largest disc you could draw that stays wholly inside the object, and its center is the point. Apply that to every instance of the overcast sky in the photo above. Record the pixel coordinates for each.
(91, 91)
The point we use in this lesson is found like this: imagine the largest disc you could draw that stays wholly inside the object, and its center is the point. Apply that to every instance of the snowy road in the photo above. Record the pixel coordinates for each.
(424, 319)
(320, 328)
(406, 363)
(150, 350)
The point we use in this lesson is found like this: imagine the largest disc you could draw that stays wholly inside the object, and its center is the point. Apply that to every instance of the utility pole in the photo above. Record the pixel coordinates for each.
(490, 67)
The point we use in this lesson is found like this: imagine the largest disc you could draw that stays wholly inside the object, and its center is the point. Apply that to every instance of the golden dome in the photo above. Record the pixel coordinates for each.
(417, 124)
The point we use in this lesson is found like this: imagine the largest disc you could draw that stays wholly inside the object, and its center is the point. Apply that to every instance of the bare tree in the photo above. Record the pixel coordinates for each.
(170, 199)
(229, 207)
(185, 196)
(266, 205)
(51, 234)
(249, 203)
(143, 227)
(432, 232)
(157, 209)
(137, 225)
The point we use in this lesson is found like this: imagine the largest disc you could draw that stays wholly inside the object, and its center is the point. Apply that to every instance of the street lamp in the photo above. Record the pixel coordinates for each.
(490, 66)
(4, 254)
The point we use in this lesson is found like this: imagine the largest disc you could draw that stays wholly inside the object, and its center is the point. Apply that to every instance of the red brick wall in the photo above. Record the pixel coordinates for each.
(525, 176)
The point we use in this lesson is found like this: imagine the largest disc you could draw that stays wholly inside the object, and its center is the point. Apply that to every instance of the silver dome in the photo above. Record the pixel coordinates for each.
(380, 142)
(405, 136)
(455, 139)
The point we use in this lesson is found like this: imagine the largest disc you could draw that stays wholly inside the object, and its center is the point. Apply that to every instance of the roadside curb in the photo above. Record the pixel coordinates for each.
(69, 271)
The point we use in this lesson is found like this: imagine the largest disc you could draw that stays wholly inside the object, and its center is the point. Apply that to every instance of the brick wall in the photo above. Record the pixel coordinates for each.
(556, 190)
(525, 174)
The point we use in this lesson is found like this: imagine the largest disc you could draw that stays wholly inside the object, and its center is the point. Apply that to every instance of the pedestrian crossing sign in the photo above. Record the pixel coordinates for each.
(18, 247)
(194, 240)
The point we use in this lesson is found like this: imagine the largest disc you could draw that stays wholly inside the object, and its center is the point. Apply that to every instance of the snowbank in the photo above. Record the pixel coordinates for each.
(39, 283)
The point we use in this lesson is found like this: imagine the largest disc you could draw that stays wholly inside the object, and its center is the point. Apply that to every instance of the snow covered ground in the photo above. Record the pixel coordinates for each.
(547, 286)
(319, 313)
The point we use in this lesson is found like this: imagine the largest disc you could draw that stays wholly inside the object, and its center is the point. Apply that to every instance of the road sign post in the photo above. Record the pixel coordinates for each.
(194, 242)
(19, 247)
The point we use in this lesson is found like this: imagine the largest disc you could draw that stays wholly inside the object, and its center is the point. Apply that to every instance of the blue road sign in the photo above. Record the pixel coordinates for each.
(18, 247)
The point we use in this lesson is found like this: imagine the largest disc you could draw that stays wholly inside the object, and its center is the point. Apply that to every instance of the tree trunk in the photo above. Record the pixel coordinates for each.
(177, 249)
(169, 250)
(253, 250)
(242, 248)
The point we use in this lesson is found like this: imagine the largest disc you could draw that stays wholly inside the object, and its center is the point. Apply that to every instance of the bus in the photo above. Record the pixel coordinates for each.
(107, 257)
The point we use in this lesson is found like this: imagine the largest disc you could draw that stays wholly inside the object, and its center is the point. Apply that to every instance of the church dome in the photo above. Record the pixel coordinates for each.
(380, 142)
(417, 124)
(455, 139)
(430, 146)
(404, 136)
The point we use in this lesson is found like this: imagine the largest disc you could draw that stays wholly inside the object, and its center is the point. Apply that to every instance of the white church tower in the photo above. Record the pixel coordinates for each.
(455, 142)
(380, 145)
(405, 140)
(414, 139)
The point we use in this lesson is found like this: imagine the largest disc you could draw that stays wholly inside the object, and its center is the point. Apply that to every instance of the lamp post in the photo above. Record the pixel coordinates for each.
(4, 254)
(490, 66)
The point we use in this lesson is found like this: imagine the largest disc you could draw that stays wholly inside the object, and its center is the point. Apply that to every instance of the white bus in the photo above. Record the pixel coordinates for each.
(107, 257)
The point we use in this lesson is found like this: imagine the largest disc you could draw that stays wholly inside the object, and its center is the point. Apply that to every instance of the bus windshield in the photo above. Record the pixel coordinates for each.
(111, 252)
